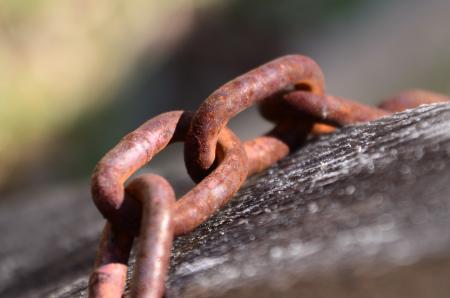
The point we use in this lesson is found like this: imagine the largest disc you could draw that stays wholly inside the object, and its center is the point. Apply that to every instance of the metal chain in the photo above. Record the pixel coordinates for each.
(291, 94)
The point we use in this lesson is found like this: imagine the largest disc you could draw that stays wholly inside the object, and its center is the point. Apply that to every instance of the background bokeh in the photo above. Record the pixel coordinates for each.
(76, 75)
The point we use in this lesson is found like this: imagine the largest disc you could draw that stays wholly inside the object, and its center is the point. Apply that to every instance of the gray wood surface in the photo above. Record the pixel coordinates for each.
(364, 212)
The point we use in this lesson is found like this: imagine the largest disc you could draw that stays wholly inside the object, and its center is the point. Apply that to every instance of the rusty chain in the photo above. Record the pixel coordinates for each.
(291, 94)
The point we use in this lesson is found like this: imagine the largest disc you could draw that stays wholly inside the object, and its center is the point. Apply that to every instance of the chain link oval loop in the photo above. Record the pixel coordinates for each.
(292, 71)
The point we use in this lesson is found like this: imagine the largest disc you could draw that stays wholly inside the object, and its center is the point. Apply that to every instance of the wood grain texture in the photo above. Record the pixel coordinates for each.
(363, 212)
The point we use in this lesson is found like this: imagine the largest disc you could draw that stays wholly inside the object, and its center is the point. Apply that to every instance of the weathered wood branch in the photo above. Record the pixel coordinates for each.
(363, 212)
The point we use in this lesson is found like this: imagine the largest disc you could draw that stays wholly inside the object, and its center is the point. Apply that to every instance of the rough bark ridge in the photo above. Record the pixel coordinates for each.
(363, 212)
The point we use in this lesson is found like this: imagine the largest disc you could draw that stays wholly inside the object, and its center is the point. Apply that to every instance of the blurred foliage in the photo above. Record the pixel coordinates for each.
(59, 58)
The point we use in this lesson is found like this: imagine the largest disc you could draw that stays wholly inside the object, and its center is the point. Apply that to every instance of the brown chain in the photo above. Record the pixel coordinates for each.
(291, 92)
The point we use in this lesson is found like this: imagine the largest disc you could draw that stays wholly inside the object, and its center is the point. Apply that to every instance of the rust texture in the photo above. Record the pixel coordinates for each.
(333, 110)
(155, 239)
(235, 96)
(412, 98)
(290, 91)
(132, 152)
(138, 148)
(264, 151)
(324, 109)
(110, 270)
(216, 189)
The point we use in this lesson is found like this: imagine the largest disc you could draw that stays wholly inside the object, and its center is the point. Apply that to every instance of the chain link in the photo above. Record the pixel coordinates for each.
(291, 94)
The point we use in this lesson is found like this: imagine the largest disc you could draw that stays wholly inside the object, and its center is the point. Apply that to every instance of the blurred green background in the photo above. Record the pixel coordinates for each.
(76, 75)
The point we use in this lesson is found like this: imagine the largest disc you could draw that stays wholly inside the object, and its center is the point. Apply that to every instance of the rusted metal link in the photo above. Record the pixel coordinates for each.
(332, 109)
(139, 147)
(293, 71)
(108, 278)
(155, 238)
(155, 241)
(328, 109)
(264, 151)
(290, 91)
(409, 99)
(160, 220)
(133, 151)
